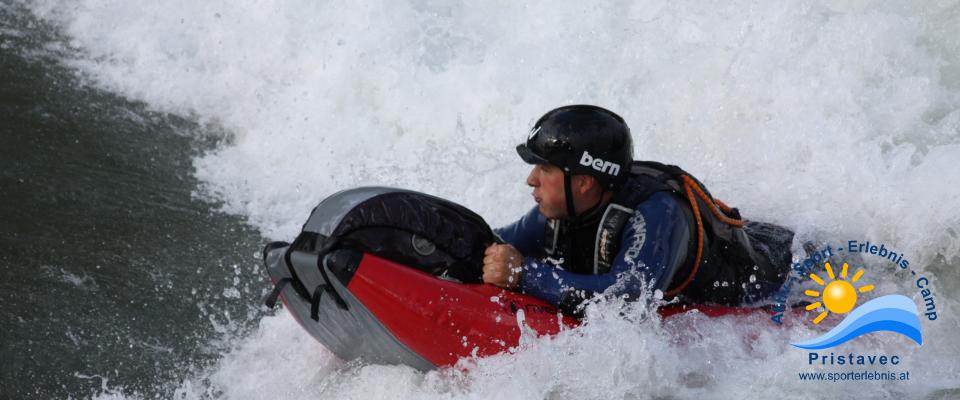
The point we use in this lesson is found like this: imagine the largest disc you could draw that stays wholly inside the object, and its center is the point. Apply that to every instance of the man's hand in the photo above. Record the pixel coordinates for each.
(501, 266)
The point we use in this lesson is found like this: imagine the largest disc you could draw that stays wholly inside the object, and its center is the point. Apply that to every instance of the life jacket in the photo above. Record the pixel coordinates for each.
(721, 260)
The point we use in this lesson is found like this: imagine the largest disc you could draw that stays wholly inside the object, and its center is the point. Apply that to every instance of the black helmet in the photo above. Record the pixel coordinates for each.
(582, 139)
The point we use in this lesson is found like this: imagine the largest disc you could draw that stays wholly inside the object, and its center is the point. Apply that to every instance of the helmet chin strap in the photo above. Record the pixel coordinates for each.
(568, 193)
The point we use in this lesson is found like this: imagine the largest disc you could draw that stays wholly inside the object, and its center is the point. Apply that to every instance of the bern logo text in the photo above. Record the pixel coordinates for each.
(599, 164)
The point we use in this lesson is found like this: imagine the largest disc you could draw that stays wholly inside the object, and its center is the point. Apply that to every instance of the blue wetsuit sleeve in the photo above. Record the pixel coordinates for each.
(653, 244)
(526, 234)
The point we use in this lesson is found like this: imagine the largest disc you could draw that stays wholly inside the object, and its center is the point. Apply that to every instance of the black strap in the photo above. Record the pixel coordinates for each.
(270, 247)
(295, 279)
(271, 300)
(342, 304)
(315, 302)
(318, 294)
(568, 193)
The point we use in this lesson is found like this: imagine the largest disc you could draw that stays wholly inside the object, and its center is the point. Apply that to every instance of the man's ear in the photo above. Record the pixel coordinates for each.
(586, 184)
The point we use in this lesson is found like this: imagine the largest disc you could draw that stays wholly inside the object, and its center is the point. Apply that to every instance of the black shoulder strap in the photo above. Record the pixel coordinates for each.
(646, 178)
(606, 246)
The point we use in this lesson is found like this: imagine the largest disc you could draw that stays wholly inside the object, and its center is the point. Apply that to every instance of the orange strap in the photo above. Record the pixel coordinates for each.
(690, 186)
(715, 206)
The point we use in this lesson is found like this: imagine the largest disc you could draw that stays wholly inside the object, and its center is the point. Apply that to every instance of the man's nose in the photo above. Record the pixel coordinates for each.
(532, 178)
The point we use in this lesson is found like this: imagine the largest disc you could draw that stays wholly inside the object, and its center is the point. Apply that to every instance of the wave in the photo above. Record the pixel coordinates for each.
(893, 313)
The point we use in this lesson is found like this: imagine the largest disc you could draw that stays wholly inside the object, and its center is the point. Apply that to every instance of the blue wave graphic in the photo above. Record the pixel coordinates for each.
(894, 313)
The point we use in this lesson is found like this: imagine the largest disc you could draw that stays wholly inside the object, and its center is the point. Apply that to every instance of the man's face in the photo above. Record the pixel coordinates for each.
(547, 183)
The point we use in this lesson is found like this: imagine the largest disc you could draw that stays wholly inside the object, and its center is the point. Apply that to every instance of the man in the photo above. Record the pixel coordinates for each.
(606, 224)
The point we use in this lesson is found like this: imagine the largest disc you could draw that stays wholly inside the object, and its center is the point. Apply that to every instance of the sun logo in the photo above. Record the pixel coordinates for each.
(839, 296)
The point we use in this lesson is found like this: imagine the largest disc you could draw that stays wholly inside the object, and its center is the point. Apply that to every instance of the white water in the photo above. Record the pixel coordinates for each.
(841, 119)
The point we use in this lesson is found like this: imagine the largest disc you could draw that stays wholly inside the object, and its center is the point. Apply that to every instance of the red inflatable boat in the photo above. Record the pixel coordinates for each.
(427, 311)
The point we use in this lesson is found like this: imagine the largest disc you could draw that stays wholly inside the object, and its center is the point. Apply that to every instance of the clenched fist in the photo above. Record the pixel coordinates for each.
(501, 266)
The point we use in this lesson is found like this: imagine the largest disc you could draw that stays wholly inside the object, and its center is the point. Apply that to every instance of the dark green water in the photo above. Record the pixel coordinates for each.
(111, 273)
